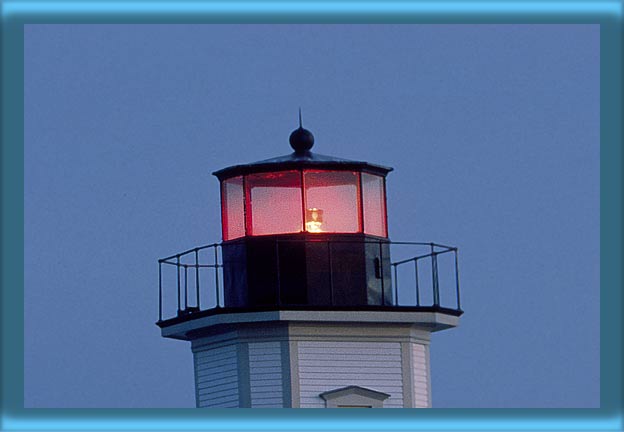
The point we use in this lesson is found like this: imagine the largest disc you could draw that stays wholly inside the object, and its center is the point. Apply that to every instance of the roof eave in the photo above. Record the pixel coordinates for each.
(294, 163)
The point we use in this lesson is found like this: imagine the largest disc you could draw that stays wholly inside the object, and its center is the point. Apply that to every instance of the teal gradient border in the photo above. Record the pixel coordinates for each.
(17, 13)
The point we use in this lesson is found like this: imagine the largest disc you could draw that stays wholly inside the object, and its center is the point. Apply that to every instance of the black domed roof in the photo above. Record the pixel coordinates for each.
(301, 140)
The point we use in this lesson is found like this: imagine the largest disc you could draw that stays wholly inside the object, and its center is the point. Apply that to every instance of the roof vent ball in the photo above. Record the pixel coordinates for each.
(301, 140)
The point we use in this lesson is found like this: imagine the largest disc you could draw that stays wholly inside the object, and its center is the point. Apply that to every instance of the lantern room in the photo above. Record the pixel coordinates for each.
(314, 198)
(305, 229)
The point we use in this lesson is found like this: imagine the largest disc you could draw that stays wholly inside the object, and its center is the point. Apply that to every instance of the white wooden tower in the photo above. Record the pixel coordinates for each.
(306, 303)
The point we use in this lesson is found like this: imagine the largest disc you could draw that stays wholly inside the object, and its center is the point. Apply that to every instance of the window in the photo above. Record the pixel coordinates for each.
(332, 201)
(374, 205)
(354, 397)
(274, 203)
(232, 208)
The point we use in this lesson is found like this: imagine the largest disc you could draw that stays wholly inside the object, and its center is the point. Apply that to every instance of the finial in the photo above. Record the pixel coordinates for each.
(301, 140)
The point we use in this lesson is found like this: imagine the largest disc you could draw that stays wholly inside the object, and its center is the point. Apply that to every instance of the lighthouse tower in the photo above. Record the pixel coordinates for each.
(306, 303)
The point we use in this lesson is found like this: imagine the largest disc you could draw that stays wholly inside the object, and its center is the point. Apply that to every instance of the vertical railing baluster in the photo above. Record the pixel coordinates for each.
(160, 295)
(457, 280)
(434, 276)
(178, 270)
(185, 287)
(396, 284)
(417, 288)
(216, 261)
(197, 278)
(437, 279)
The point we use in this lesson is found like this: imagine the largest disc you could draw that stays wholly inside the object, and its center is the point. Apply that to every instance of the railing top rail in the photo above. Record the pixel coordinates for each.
(188, 252)
(183, 265)
(445, 248)
(439, 245)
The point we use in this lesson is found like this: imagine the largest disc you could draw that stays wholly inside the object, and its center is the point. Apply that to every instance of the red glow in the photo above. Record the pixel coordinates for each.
(274, 203)
(336, 194)
(277, 203)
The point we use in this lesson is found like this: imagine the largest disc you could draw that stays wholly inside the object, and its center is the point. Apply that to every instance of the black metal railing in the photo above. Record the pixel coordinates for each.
(423, 275)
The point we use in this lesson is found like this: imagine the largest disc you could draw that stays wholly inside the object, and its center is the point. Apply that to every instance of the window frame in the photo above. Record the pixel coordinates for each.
(360, 198)
(354, 397)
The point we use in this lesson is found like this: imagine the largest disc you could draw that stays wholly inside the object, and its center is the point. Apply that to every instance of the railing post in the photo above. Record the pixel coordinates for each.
(396, 284)
(434, 276)
(457, 280)
(436, 286)
(185, 287)
(216, 260)
(197, 278)
(160, 296)
(416, 275)
(381, 270)
(178, 270)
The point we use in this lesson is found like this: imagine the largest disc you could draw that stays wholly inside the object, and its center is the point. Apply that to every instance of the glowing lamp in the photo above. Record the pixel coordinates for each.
(314, 220)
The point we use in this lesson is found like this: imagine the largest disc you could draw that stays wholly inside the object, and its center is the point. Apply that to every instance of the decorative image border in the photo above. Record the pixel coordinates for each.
(17, 14)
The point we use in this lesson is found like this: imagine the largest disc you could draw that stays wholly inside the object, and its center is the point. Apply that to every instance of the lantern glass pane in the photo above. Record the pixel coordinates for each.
(374, 205)
(274, 203)
(232, 210)
(332, 201)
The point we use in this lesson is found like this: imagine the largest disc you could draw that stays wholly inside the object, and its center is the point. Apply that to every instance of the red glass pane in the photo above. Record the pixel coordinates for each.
(374, 205)
(232, 210)
(332, 201)
(274, 203)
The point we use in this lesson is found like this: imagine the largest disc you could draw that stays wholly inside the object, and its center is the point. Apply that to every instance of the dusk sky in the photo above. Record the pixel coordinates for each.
(492, 130)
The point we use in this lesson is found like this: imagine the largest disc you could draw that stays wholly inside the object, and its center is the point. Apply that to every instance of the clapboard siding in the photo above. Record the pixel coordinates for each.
(325, 366)
(265, 375)
(216, 377)
(421, 376)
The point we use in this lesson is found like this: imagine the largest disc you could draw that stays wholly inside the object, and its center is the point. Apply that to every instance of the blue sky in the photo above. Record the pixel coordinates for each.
(493, 131)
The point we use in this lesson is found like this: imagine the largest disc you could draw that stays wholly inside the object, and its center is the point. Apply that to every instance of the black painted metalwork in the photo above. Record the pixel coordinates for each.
(197, 277)
(160, 293)
(301, 160)
(178, 274)
(457, 280)
(331, 279)
(381, 275)
(301, 140)
(416, 279)
(186, 305)
(277, 274)
(407, 297)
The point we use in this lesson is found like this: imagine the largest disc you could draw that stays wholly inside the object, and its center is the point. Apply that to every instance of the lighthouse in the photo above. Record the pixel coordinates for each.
(306, 302)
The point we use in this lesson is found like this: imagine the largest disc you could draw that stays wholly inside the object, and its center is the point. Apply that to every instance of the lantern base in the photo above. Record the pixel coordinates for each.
(307, 269)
